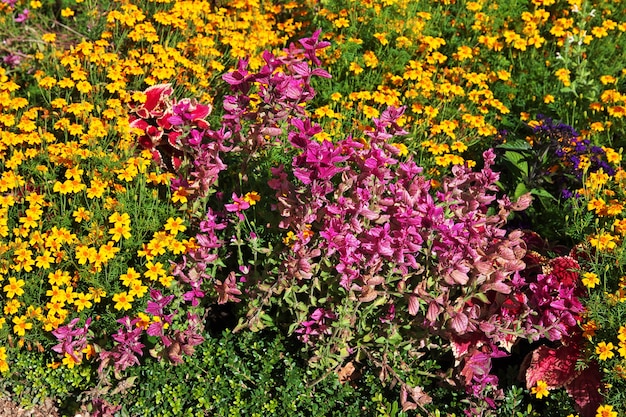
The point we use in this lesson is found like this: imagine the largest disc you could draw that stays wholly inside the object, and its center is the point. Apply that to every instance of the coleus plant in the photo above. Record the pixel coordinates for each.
(556, 294)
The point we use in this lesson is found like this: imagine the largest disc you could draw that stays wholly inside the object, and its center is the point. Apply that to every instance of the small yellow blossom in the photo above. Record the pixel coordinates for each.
(605, 350)
(590, 280)
(122, 301)
(606, 411)
(540, 390)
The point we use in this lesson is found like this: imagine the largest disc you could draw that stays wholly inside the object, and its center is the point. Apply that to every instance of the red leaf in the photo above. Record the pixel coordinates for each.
(556, 367)
(459, 323)
(585, 390)
(414, 306)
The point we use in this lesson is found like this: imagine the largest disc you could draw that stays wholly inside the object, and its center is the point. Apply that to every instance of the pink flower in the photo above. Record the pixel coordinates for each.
(238, 205)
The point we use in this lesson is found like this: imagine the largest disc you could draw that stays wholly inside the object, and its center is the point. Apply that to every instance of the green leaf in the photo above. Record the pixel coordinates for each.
(515, 145)
(542, 193)
(518, 160)
(520, 190)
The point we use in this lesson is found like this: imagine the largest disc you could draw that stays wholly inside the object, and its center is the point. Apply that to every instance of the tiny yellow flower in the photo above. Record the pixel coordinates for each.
(175, 225)
(67, 12)
(49, 37)
(605, 351)
(590, 280)
(540, 390)
(21, 325)
(81, 214)
(14, 287)
(606, 411)
(252, 198)
(122, 301)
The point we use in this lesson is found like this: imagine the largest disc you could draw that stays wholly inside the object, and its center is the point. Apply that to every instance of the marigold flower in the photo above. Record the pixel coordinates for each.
(14, 287)
(370, 59)
(21, 325)
(605, 351)
(122, 301)
(540, 390)
(67, 12)
(603, 241)
(175, 225)
(49, 37)
(12, 306)
(590, 280)
(130, 276)
(606, 411)
(120, 230)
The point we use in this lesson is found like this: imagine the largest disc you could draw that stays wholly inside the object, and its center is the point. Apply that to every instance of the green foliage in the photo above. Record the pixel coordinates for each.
(247, 374)
(32, 380)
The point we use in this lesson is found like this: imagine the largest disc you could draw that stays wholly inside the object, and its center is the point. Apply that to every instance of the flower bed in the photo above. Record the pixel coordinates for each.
(414, 207)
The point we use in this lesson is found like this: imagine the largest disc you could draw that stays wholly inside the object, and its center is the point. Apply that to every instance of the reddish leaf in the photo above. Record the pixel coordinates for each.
(459, 323)
(556, 367)
(585, 390)
(414, 306)
(461, 346)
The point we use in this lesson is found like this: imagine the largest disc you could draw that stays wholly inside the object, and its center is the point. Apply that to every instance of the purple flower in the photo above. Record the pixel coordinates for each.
(12, 59)
(22, 17)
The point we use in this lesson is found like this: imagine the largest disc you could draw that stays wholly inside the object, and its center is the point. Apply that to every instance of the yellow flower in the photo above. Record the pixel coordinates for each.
(370, 112)
(621, 335)
(605, 351)
(47, 82)
(49, 37)
(598, 205)
(370, 59)
(606, 411)
(166, 280)
(180, 195)
(590, 280)
(458, 146)
(176, 225)
(21, 325)
(144, 320)
(82, 301)
(4, 366)
(129, 277)
(122, 301)
(66, 83)
(67, 12)
(612, 156)
(12, 306)
(81, 214)
(83, 253)
(342, 22)
(251, 198)
(549, 98)
(355, 68)
(563, 75)
(540, 390)
(137, 289)
(69, 361)
(97, 294)
(14, 287)
(402, 148)
(603, 241)
(120, 230)
(44, 260)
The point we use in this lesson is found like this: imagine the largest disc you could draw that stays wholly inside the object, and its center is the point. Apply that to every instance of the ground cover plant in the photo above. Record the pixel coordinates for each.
(396, 207)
